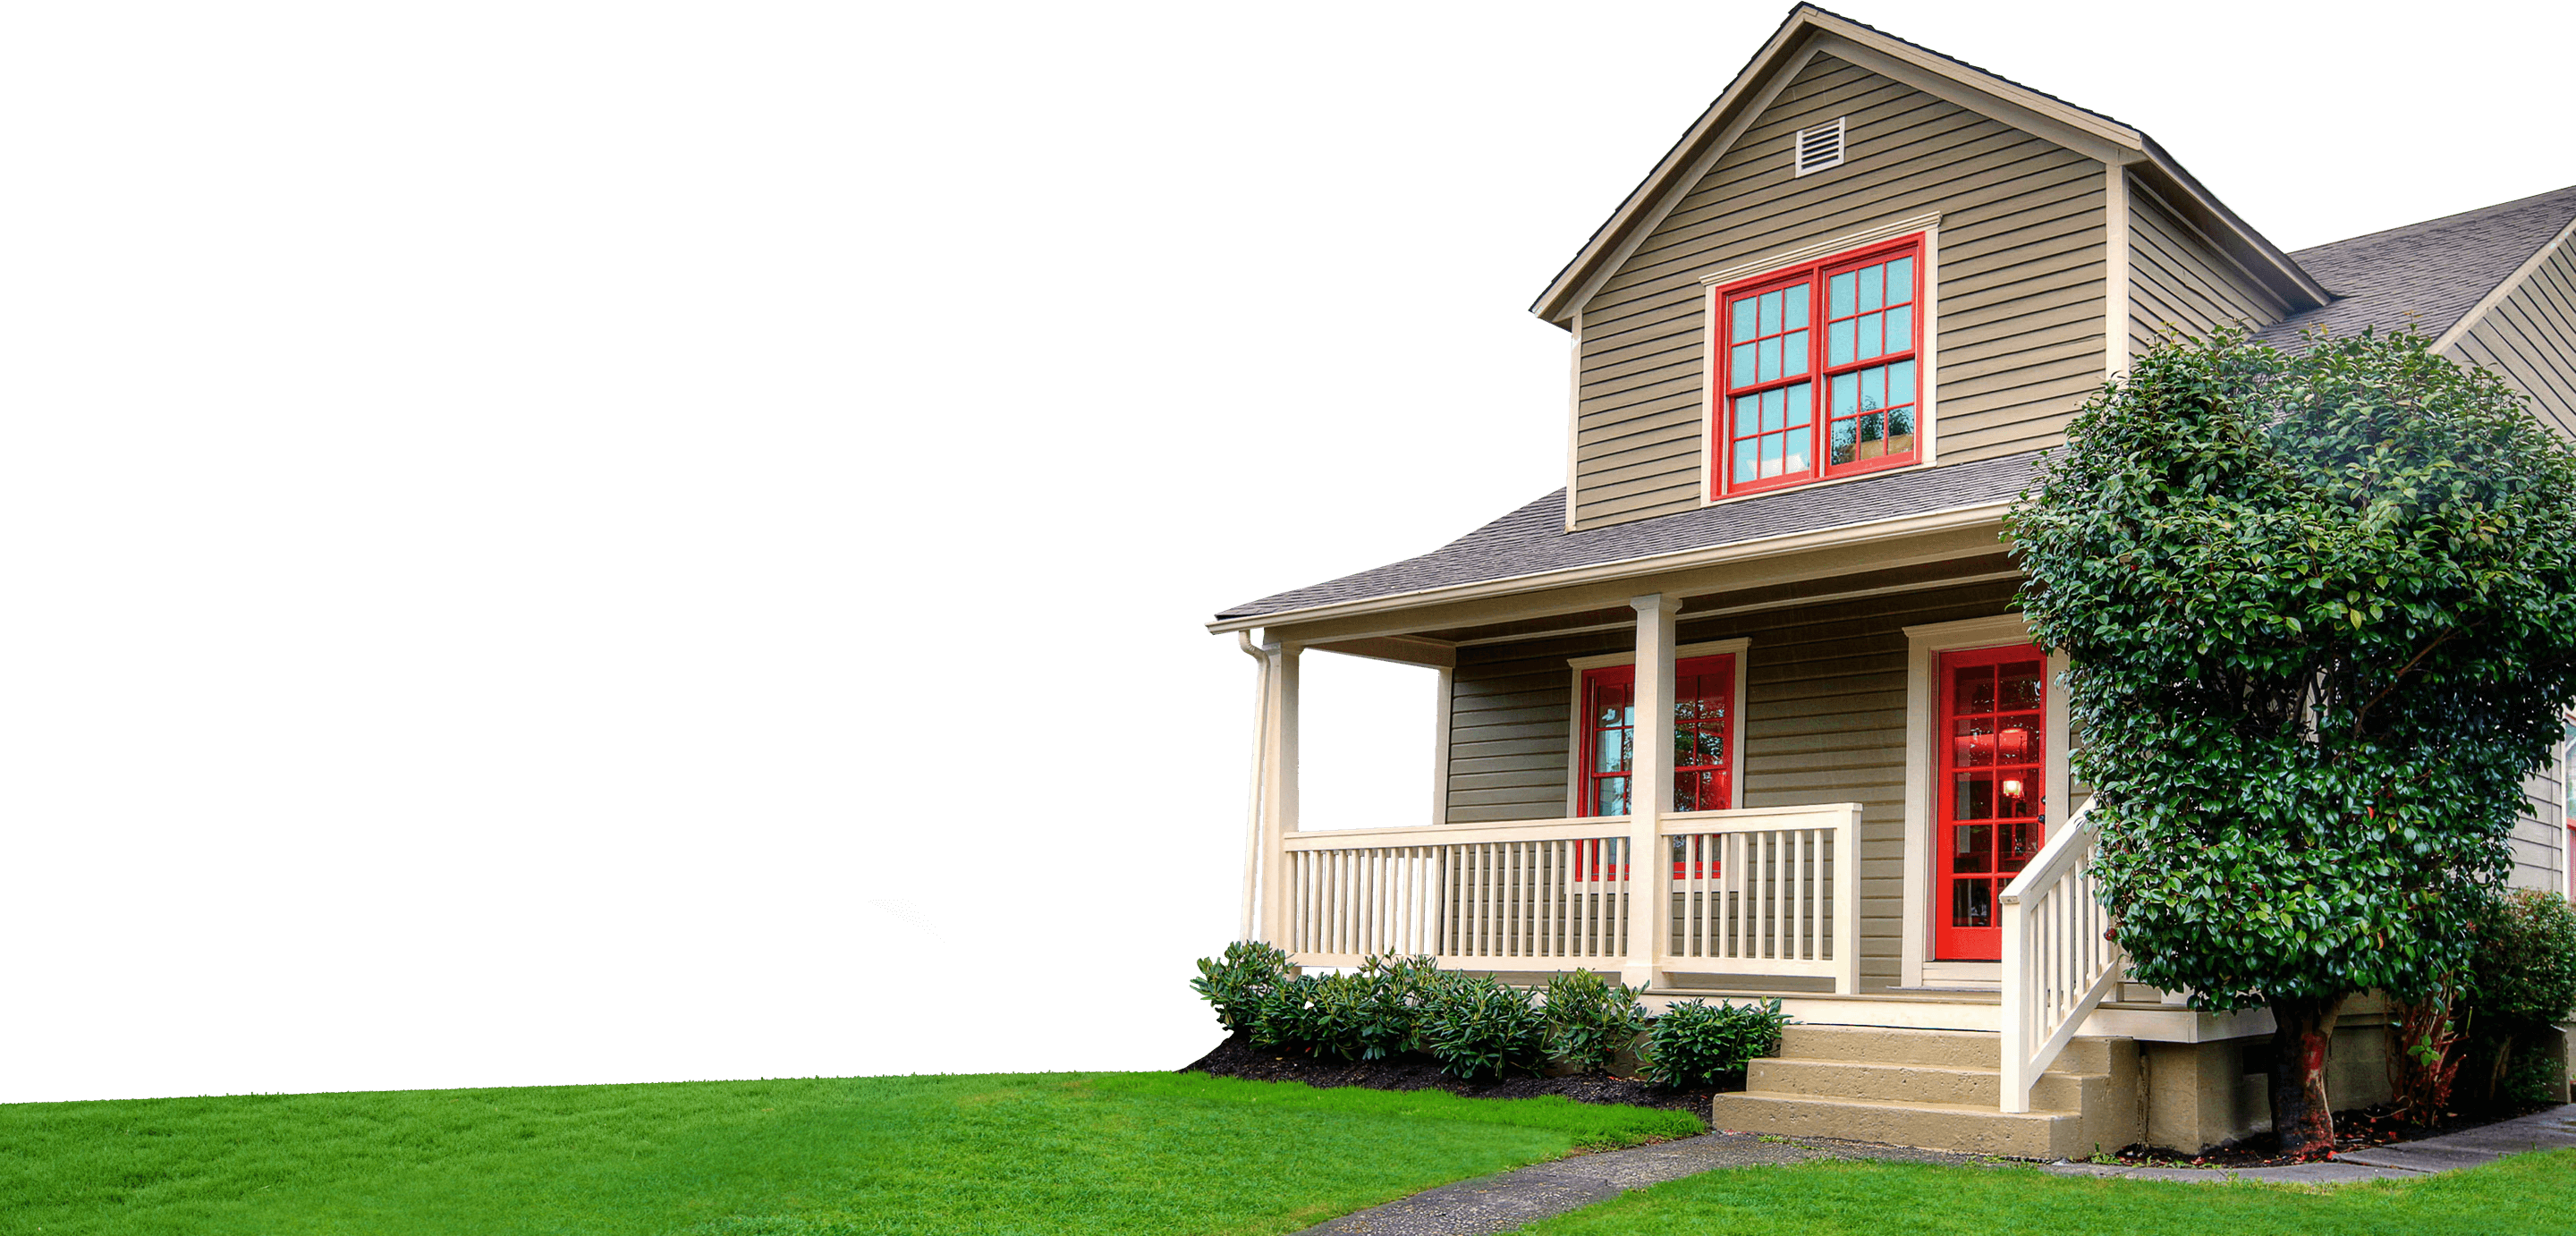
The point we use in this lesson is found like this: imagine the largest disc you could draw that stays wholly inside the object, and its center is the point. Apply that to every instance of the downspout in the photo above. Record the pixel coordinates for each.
(1260, 770)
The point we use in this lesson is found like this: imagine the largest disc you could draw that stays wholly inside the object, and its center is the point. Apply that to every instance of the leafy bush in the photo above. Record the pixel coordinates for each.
(1236, 985)
(1398, 988)
(1590, 1021)
(2523, 981)
(1478, 1027)
(1369, 1014)
(1694, 1042)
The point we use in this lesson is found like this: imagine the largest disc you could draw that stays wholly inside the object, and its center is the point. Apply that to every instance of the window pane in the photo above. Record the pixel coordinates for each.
(1770, 367)
(1873, 388)
(1900, 382)
(1841, 446)
(1748, 411)
(1900, 281)
(1793, 353)
(1743, 320)
(1798, 397)
(1846, 398)
(1771, 312)
(1610, 796)
(1972, 848)
(1900, 328)
(1797, 307)
(1771, 455)
(1900, 431)
(1869, 336)
(1610, 751)
(1798, 440)
(1972, 903)
(1744, 459)
(1838, 296)
(1772, 403)
(1739, 366)
(1838, 344)
(1873, 287)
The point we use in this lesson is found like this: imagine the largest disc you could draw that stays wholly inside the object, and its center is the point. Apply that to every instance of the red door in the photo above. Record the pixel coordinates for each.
(1992, 771)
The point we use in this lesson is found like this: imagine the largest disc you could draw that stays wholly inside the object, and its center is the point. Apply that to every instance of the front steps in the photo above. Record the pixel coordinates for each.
(1938, 1089)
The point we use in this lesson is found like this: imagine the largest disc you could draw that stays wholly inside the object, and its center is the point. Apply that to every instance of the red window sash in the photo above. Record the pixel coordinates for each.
(1720, 671)
(1726, 389)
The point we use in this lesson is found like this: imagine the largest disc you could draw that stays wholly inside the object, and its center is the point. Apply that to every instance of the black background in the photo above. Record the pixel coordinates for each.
(1008, 359)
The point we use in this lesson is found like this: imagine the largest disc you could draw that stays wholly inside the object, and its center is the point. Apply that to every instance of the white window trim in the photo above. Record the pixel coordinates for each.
(1927, 354)
(1578, 732)
(1924, 646)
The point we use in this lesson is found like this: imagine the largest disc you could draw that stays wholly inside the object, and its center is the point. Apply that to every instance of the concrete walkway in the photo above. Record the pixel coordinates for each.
(1502, 1202)
(2554, 1129)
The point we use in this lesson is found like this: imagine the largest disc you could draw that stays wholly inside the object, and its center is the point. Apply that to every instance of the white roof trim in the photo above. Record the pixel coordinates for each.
(1648, 564)
(1642, 207)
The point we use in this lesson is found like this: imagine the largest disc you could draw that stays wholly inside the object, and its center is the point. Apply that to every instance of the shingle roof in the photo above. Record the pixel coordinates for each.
(2427, 274)
(1533, 539)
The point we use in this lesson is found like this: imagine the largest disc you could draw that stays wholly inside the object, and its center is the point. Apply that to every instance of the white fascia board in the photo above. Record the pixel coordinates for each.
(1652, 564)
(1644, 202)
(2496, 295)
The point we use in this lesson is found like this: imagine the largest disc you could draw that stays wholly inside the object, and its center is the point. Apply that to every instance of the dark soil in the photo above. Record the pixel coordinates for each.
(1237, 1057)
(2359, 1129)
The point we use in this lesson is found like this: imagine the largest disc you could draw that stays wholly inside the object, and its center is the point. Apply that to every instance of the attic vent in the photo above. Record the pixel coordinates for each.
(1820, 147)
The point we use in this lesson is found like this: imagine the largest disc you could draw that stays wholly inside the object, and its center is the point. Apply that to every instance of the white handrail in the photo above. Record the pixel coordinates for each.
(2058, 960)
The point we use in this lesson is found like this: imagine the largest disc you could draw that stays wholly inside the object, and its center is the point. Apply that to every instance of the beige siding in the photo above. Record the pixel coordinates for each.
(2540, 838)
(1824, 722)
(2020, 272)
(2179, 283)
(2529, 339)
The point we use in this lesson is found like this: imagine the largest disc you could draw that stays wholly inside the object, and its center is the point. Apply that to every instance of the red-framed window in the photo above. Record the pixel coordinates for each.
(1703, 736)
(1816, 369)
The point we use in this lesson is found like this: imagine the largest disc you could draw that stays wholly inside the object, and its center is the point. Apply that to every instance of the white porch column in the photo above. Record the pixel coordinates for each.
(1650, 785)
(1278, 787)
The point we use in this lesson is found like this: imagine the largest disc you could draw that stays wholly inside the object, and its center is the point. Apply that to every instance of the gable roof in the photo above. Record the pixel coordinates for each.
(1532, 540)
(2089, 132)
(2429, 275)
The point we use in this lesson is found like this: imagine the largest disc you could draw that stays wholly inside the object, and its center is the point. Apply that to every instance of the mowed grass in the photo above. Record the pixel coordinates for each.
(2527, 1195)
(885, 1156)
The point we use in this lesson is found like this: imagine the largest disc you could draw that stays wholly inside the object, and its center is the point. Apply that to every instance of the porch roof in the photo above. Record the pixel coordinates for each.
(1532, 541)
(2430, 274)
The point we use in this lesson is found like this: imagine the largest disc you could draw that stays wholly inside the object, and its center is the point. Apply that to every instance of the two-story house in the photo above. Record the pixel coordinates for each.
(1817, 354)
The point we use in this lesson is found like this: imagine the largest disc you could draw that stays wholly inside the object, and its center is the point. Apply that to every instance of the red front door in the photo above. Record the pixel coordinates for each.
(1989, 792)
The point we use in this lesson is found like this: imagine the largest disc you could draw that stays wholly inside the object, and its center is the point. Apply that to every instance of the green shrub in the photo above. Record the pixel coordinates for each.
(1236, 985)
(1478, 1027)
(1695, 1043)
(1398, 988)
(2524, 978)
(1590, 1021)
(1368, 1014)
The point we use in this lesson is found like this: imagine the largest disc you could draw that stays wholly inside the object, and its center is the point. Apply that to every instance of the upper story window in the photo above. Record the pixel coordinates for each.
(1816, 373)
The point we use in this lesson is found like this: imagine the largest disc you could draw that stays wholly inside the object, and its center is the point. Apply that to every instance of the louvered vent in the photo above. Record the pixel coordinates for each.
(1820, 147)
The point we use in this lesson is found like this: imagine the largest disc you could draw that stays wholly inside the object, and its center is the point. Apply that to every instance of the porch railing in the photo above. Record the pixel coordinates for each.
(1757, 891)
(1487, 896)
(1766, 892)
(2059, 962)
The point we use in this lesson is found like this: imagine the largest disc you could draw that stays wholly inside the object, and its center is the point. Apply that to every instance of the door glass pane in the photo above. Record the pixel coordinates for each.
(1972, 903)
(2017, 739)
(2020, 685)
(1976, 690)
(1972, 796)
(2020, 845)
(1972, 848)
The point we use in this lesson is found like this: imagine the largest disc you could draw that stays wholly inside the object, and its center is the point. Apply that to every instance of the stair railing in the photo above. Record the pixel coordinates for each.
(2059, 962)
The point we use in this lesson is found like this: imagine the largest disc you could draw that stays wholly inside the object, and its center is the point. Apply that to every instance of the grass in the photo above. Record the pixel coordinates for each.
(2529, 1195)
(884, 1156)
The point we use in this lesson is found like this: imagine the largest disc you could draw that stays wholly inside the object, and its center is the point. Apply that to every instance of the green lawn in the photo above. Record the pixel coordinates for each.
(885, 1156)
(2529, 1195)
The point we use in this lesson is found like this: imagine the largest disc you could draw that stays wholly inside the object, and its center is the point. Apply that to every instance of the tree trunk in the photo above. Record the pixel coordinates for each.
(2301, 1116)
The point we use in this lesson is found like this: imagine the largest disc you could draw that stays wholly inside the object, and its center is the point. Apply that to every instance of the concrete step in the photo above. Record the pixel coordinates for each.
(1961, 1127)
(1967, 1049)
(1920, 1083)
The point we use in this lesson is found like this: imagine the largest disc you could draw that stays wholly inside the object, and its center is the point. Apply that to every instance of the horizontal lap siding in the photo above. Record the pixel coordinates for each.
(2020, 264)
(2540, 837)
(2529, 339)
(1824, 721)
(2179, 284)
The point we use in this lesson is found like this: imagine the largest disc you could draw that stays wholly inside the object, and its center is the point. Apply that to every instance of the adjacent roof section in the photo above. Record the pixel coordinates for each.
(2426, 275)
(1533, 541)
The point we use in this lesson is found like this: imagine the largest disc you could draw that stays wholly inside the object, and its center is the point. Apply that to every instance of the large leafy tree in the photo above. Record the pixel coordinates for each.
(2321, 612)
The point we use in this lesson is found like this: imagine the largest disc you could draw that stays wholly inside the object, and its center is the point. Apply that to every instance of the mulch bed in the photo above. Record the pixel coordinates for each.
(2359, 1129)
(1237, 1057)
